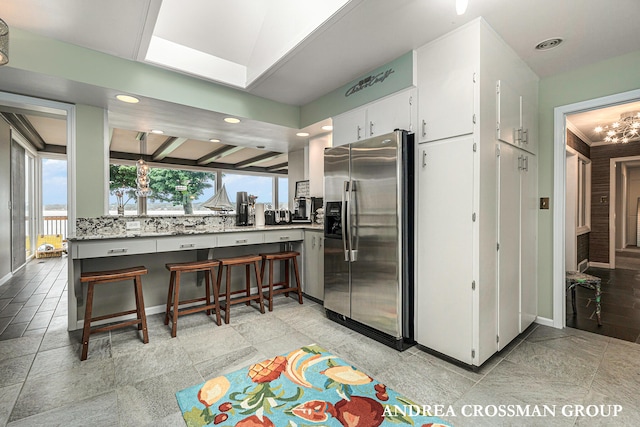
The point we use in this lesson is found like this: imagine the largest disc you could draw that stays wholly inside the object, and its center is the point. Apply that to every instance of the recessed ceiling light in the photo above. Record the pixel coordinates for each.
(127, 98)
(231, 120)
(549, 43)
(157, 131)
(327, 127)
(214, 140)
(302, 133)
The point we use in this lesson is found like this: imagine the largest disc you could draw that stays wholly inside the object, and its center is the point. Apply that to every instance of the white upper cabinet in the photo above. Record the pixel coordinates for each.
(397, 111)
(508, 127)
(446, 86)
(393, 112)
(349, 127)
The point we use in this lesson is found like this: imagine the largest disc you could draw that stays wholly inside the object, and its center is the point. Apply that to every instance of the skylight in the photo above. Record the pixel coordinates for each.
(233, 42)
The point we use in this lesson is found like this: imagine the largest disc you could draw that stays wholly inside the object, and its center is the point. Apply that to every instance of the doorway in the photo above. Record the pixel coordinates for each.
(606, 201)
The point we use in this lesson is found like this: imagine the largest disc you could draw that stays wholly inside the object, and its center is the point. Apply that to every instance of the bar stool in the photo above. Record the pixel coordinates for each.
(99, 277)
(286, 284)
(173, 297)
(247, 261)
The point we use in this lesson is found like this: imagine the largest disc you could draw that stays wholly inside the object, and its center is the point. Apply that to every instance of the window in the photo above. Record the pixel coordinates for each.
(178, 191)
(583, 212)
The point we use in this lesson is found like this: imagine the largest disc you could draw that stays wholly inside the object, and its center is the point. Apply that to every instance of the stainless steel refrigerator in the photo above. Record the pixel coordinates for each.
(368, 254)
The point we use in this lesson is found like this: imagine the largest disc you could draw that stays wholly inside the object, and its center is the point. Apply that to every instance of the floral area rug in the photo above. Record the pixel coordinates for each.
(307, 387)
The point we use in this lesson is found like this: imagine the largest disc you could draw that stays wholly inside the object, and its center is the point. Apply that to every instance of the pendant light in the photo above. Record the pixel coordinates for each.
(4, 42)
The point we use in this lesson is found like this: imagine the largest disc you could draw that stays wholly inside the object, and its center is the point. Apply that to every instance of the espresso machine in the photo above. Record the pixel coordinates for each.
(302, 209)
(242, 208)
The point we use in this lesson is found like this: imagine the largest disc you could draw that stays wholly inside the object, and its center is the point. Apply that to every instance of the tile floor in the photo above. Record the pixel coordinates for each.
(126, 383)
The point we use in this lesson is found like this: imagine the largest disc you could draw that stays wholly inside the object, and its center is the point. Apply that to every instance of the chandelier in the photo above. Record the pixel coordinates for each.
(624, 130)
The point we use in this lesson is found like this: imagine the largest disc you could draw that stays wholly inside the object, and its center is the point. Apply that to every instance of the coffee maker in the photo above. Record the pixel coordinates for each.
(242, 208)
(302, 209)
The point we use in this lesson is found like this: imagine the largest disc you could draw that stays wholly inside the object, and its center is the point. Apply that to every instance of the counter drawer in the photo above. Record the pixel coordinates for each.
(279, 236)
(240, 239)
(185, 243)
(115, 248)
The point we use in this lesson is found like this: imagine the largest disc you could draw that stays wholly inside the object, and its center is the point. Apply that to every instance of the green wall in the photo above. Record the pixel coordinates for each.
(30, 52)
(620, 74)
(337, 101)
(90, 161)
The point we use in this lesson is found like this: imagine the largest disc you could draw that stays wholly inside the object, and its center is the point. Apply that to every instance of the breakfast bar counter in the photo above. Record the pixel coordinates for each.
(114, 242)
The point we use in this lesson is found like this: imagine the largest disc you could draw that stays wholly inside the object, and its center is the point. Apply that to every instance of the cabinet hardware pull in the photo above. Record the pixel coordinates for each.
(187, 245)
(313, 242)
(319, 242)
(370, 128)
(424, 128)
(358, 134)
(424, 158)
(525, 136)
(117, 251)
(284, 237)
(241, 241)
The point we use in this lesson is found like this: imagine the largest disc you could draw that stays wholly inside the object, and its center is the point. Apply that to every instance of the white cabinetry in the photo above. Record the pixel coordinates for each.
(516, 122)
(446, 72)
(470, 304)
(517, 239)
(396, 111)
(313, 284)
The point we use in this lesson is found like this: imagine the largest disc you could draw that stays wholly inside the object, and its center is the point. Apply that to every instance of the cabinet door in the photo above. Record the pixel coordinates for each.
(444, 298)
(313, 284)
(529, 113)
(508, 111)
(529, 243)
(509, 164)
(446, 87)
(391, 113)
(349, 127)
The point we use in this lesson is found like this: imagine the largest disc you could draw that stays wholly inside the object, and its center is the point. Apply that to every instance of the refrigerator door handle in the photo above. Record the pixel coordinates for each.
(345, 195)
(353, 232)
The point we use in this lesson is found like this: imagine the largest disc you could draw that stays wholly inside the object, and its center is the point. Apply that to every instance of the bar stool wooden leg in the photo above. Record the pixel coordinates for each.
(286, 276)
(297, 273)
(141, 312)
(87, 321)
(216, 295)
(207, 283)
(247, 271)
(259, 283)
(270, 285)
(169, 297)
(176, 303)
(228, 295)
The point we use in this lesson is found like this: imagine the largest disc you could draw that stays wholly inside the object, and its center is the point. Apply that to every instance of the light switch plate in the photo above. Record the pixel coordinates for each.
(133, 225)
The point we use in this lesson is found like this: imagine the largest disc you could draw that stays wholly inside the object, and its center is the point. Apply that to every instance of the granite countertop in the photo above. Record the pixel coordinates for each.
(192, 230)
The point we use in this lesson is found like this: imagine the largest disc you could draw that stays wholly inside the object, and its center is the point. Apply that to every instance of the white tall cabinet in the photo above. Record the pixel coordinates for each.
(470, 299)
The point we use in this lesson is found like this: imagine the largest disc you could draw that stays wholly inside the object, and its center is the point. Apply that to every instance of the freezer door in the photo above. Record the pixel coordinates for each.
(375, 233)
(336, 268)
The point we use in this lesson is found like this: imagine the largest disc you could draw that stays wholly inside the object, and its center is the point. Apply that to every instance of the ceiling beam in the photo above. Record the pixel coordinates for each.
(218, 154)
(278, 166)
(172, 162)
(167, 147)
(258, 159)
(26, 129)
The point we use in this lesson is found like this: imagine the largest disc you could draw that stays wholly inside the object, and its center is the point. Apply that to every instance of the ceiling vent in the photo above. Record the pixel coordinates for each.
(549, 43)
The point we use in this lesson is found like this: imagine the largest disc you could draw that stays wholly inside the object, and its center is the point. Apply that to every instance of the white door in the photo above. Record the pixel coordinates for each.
(508, 113)
(444, 309)
(391, 113)
(509, 241)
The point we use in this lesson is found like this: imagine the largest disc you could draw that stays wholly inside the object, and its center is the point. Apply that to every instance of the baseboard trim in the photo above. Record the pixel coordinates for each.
(600, 264)
(5, 279)
(544, 321)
